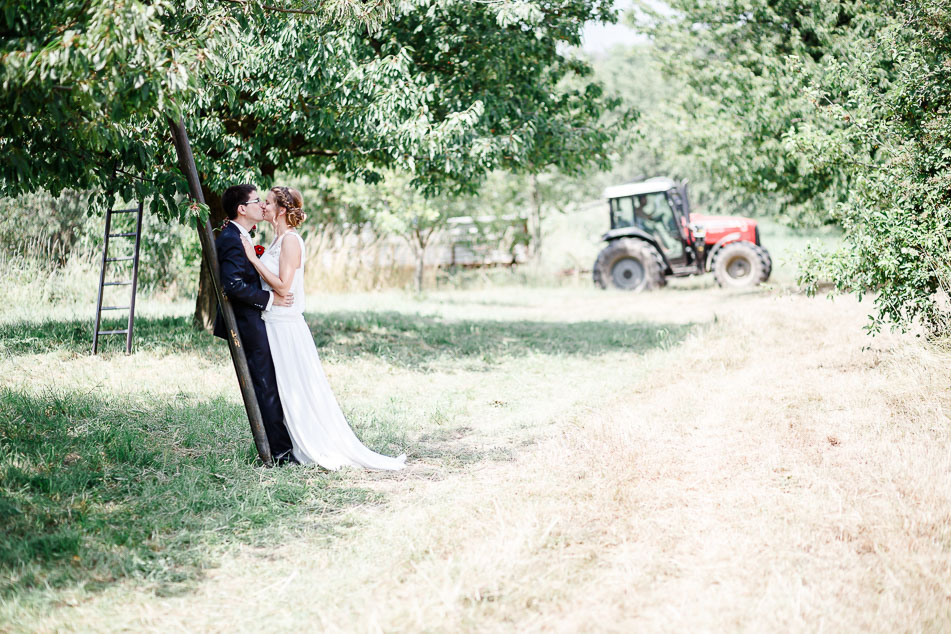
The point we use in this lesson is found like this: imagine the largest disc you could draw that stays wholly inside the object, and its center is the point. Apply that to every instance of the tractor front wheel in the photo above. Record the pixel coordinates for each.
(740, 265)
(629, 264)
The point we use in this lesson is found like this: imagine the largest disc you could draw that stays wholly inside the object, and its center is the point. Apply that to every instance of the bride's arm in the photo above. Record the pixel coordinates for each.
(290, 253)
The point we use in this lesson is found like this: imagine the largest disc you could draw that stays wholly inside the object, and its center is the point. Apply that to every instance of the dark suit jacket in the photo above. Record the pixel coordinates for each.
(241, 284)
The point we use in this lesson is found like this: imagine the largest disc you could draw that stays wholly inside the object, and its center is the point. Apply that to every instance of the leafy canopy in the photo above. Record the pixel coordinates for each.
(445, 90)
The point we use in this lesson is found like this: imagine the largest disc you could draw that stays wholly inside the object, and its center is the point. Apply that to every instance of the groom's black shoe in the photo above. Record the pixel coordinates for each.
(286, 457)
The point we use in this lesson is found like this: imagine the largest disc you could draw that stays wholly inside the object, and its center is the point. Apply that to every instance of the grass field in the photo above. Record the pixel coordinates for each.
(691, 459)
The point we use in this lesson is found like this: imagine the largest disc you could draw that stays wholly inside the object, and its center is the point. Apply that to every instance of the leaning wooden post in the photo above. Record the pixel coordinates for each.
(186, 162)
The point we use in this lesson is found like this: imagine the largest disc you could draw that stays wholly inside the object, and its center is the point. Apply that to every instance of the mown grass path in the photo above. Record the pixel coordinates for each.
(689, 460)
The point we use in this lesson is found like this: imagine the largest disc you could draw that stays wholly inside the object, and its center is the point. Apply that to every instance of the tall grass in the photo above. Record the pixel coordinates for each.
(29, 285)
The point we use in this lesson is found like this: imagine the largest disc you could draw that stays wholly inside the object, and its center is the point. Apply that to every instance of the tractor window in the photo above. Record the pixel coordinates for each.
(660, 221)
(623, 212)
(628, 212)
(650, 213)
(655, 216)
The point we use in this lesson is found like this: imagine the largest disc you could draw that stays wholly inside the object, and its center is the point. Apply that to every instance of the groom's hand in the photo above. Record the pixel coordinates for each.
(283, 300)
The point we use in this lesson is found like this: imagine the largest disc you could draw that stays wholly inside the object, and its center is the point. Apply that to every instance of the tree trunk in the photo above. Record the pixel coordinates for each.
(418, 243)
(535, 221)
(420, 260)
(206, 305)
(186, 162)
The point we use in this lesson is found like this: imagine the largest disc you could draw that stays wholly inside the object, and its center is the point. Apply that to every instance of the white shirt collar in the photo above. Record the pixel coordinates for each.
(242, 230)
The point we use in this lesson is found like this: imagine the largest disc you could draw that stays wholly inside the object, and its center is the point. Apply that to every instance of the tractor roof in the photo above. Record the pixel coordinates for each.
(650, 186)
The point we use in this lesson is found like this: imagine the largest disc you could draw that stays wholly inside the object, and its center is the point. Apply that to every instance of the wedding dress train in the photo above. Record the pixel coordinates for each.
(318, 429)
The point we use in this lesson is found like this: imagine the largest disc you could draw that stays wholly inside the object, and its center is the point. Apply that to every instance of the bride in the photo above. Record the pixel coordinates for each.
(319, 432)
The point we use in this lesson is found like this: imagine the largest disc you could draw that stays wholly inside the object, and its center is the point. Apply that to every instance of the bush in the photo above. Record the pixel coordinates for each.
(50, 232)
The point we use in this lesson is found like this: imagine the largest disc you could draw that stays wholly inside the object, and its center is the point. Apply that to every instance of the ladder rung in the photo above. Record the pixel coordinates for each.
(113, 332)
(122, 235)
(131, 257)
(114, 308)
(116, 283)
(124, 211)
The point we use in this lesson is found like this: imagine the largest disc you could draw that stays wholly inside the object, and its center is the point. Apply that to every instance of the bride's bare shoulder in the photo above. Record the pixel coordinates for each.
(290, 249)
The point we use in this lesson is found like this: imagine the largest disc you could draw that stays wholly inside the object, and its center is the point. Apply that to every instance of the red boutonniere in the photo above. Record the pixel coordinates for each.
(253, 229)
(259, 250)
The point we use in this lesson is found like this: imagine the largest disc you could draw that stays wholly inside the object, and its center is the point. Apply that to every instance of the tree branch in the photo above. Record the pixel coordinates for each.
(315, 152)
(268, 7)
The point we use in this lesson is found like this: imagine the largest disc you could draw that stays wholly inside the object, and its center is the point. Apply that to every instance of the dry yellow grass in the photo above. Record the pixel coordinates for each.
(777, 471)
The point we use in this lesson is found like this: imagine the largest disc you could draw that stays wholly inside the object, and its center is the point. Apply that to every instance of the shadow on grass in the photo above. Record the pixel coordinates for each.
(415, 341)
(94, 491)
(450, 448)
(404, 340)
(165, 335)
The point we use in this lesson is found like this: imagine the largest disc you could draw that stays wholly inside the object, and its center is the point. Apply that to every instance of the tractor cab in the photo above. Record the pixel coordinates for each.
(657, 208)
(654, 235)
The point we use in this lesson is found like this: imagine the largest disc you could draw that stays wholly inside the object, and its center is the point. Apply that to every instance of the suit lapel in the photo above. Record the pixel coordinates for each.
(250, 274)
(233, 233)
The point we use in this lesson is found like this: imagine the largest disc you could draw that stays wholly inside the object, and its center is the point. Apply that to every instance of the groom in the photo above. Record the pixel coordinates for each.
(242, 285)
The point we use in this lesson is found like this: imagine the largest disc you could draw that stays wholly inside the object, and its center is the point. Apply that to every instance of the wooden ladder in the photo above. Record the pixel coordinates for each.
(134, 258)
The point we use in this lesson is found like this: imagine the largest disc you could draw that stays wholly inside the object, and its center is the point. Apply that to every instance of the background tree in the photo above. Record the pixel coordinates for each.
(43, 224)
(897, 218)
(535, 196)
(740, 66)
(447, 92)
(398, 209)
(825, 112)
(54, 230)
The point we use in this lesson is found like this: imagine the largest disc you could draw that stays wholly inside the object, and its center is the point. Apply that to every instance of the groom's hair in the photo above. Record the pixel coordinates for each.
(235, 196)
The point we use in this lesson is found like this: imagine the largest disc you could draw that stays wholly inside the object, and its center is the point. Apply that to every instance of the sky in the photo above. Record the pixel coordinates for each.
(598, 38)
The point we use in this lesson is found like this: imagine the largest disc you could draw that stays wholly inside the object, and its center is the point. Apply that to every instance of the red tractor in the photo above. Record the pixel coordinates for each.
(653, 235)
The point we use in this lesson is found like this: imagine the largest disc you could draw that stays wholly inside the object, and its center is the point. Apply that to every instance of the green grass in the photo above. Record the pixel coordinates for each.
(97, 489)
(162, 335)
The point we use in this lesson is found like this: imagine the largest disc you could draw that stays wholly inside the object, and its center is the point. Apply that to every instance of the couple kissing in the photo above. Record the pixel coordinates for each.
(302, 419)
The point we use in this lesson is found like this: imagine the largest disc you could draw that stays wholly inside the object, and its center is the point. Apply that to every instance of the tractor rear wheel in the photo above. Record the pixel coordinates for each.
(740, 265)
(629, 264)
(767, 259)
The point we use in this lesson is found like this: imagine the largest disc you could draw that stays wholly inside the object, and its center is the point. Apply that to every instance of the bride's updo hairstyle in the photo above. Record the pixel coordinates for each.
(293, 202)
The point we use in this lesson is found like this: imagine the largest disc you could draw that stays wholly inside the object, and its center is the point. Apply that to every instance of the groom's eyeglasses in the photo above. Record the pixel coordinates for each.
(252, 202)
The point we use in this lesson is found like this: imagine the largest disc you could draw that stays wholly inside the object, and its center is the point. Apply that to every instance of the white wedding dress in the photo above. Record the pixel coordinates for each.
(319, 432)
